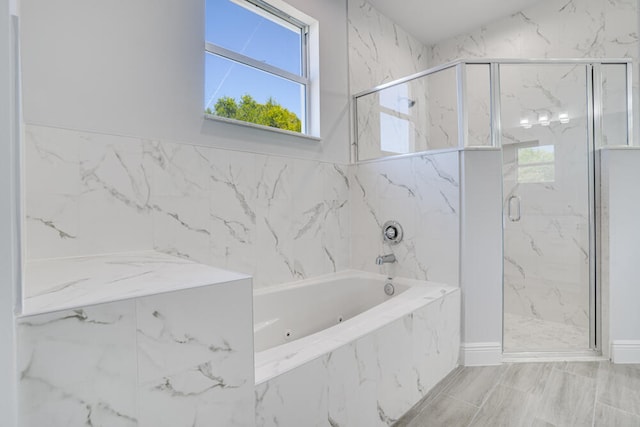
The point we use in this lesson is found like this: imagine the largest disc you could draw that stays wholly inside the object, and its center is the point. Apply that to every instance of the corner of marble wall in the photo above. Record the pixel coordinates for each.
(379, 49)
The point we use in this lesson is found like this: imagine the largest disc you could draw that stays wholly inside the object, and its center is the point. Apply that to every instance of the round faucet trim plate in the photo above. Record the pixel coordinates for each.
(392, 232)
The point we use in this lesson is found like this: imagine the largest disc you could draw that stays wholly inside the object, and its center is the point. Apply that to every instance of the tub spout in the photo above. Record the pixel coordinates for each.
(382, 259)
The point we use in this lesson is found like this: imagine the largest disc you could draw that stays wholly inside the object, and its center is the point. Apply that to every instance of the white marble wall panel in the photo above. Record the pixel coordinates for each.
(276, 218)
(195, 357)
(423, 194)
(182, 358)
(76, 186)
(442, 109)
(478, 105)
(380, 51)
(78, 367)
(372, 381)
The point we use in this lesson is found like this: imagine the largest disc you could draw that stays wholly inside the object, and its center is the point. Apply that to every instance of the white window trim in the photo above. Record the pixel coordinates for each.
(310, 65)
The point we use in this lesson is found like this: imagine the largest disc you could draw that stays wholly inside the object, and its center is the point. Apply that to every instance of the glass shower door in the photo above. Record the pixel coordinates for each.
(547, 168)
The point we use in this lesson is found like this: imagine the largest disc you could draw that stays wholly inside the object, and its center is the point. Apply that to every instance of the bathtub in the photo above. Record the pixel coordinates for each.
(339, 351)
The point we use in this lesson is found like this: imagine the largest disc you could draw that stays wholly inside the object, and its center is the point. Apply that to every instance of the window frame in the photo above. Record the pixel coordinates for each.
(267, 11)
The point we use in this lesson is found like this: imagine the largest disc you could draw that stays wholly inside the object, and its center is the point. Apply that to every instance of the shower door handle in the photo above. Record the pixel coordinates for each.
(513, 208)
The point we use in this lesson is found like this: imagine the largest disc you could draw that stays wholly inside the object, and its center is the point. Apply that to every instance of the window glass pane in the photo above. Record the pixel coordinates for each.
(536, 164)
(538, 154)
(395, 134)
(259, 35)
(536, 173)
(278, 102)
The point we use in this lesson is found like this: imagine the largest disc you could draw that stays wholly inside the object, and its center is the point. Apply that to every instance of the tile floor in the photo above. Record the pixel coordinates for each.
(532, 394)
(522, 333)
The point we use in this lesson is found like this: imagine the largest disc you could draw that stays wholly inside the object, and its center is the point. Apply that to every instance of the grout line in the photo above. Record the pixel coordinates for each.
(490, 393)
(459, 400)
(447, 381)
(617, 409)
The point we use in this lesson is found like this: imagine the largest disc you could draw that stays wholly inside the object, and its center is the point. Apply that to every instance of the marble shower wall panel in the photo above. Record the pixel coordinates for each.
(554, 29)
(442, 109)
(614, 105)
(423, 194)
(372, 381)
(379, 50)
(278, 219)
(478, 104)
(141, 362)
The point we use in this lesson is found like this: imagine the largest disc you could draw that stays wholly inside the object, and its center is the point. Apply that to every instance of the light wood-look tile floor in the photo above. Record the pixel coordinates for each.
(532, 395)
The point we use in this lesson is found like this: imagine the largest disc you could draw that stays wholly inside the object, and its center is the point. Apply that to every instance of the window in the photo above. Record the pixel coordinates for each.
(396, 125)
(536, 164)
(256, 65)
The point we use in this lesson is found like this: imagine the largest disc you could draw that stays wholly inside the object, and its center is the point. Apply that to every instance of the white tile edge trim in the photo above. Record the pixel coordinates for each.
(625, 351)
(481, 354)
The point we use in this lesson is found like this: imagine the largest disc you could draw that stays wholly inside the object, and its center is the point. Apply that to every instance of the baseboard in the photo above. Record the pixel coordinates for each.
(625, 351)
(481, 354)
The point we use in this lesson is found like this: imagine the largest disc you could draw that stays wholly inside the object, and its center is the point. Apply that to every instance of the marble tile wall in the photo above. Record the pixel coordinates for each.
(380, 51)
(372, 381)
(277, 219)
(141, 362)
(423, 194)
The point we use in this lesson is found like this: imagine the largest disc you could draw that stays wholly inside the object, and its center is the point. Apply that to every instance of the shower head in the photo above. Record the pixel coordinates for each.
(410, 102)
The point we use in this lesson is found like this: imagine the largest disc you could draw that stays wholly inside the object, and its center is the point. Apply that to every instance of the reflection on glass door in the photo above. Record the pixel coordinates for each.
(546, 172)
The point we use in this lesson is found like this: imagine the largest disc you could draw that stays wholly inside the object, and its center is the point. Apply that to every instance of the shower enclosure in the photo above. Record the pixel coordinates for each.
(548, 117)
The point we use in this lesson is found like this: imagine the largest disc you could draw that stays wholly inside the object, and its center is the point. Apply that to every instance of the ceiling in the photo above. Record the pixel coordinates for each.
(434, 20)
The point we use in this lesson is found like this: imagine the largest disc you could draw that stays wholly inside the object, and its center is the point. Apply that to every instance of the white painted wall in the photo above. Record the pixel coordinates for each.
(8, 220)
(621, 272)
(137, 69)
(481, 256)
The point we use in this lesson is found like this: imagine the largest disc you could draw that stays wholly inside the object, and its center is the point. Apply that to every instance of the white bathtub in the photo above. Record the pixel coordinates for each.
(341, 335)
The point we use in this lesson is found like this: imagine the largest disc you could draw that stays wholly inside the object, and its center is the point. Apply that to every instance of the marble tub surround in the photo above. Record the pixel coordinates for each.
(422, 193)
(275, 218)
(181, 358)
(64, 283)
(284, 356)
(363, 380)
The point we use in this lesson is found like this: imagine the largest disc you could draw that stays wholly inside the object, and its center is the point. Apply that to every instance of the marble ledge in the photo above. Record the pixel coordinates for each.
(65, 283)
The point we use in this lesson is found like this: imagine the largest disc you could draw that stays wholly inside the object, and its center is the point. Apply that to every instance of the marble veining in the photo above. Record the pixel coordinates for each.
(271, 217)
(379, 49)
